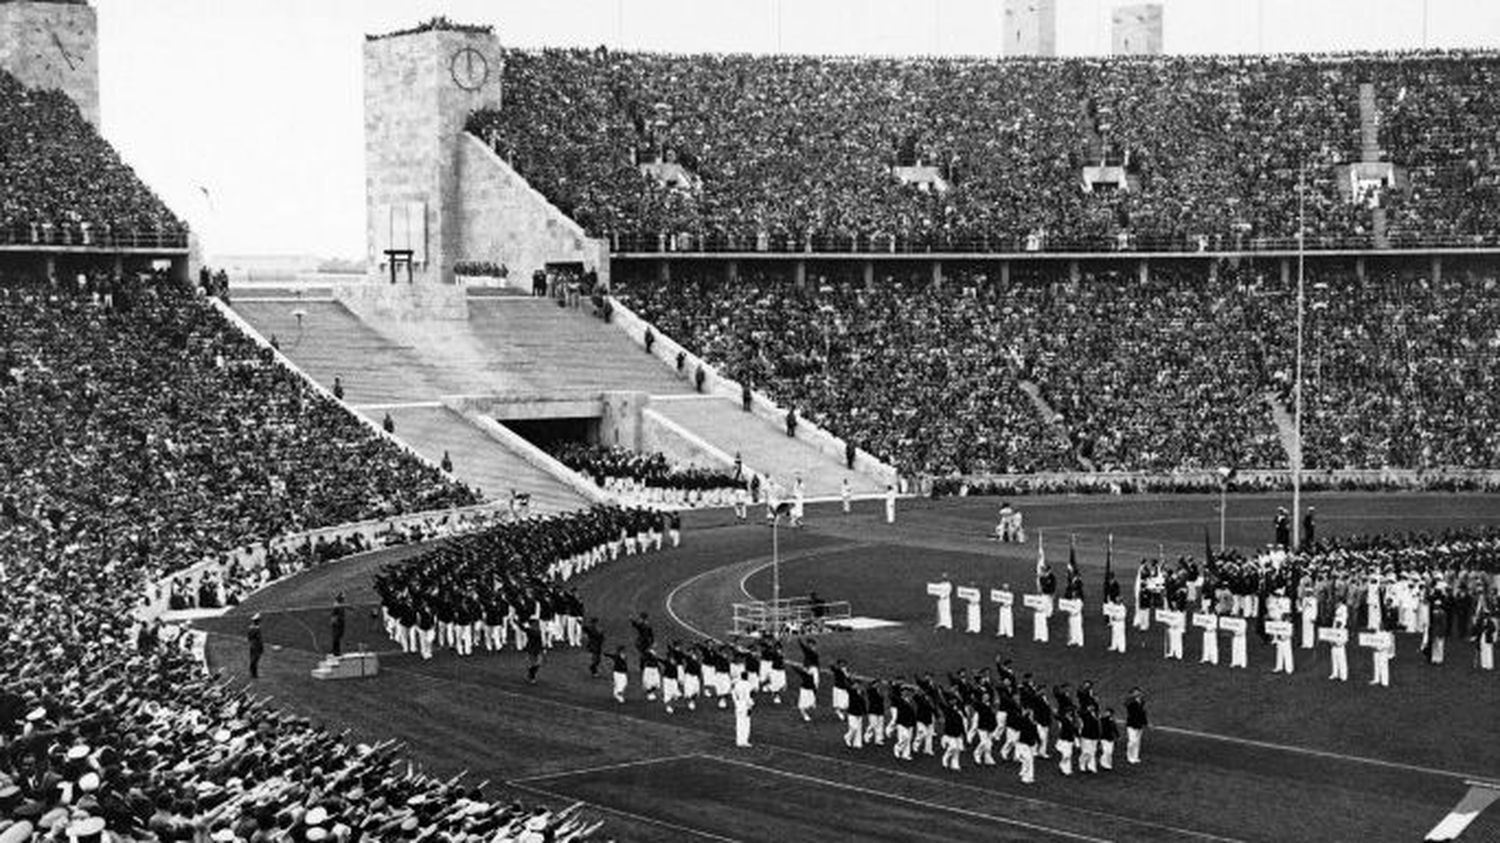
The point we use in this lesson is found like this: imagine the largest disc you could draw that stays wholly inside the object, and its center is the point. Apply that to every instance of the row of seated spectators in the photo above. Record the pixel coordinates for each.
(1166, 374)
(61, 183)
(140, 439)
(796, 147)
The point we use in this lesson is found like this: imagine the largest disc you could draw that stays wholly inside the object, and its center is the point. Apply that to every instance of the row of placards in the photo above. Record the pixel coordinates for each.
(1171, 618)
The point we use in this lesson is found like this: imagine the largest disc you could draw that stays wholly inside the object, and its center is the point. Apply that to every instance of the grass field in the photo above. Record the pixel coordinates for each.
(1233, 755)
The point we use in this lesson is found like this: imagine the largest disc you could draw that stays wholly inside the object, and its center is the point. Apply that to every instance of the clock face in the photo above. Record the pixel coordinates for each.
(470, 69)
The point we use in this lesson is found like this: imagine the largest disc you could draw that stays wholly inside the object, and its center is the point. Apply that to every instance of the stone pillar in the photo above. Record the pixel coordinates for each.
(1286, 272)
(937, 275)
(869, 273)
(1359, 269)
(664, 271)
(1005, 273)
(799, 273)
(732, 271)
(1437, 269)
(1143, 271)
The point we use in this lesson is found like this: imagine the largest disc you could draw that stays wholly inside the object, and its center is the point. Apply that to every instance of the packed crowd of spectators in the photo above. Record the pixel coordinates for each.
(1402, 371)
(144, 435)
(1174, 373)
(787, 149)
(61, 183)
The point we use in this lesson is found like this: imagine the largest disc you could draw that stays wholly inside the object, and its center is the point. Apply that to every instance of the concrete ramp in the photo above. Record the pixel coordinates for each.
(763, 447)
(478, 459)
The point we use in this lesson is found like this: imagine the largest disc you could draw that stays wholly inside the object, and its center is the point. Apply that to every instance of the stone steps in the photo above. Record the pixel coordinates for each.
(479, 460)
(762, 446)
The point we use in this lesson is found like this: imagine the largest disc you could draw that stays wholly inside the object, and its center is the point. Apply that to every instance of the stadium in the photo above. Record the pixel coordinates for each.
(751, 442)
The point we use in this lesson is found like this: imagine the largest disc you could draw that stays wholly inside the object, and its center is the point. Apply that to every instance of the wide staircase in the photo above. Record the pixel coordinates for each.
(1370, 152)
(478, 460)
(522, 347)
(763, 448)
(550, 349)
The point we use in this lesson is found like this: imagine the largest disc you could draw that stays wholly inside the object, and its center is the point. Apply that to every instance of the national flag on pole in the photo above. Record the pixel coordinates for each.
(1072, 555)
(781, 509)
(1109, 552)
(1208, 547)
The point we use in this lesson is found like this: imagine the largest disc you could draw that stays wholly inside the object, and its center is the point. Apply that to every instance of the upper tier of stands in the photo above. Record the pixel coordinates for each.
(61, 184)
(1177, 373)
(143, 434)
(799, 149)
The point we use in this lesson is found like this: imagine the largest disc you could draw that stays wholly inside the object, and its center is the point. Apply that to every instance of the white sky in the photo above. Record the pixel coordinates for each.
(261, 101)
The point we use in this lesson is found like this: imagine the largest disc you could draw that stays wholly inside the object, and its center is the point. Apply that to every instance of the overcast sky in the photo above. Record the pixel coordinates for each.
(260, 101)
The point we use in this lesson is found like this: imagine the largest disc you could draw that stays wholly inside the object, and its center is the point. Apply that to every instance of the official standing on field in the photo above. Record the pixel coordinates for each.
(1135, 725)
(257, 642)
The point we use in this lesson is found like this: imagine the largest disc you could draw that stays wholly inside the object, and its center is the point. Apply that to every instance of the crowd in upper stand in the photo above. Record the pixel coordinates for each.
(796, 147)
(1176, 372)
(61, 183)
(143, 434)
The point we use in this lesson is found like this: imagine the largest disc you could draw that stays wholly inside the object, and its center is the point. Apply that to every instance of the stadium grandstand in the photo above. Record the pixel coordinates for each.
(654, 343)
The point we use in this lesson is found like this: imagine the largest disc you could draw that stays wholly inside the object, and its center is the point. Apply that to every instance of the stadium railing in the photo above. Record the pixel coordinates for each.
(252, 557)
(87, 236)
(687, 243)
(1119, 482)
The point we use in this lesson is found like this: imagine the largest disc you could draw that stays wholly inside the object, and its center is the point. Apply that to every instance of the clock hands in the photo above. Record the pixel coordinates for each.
(67, 57)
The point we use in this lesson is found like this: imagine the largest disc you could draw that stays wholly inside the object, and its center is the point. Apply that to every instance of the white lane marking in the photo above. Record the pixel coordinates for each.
(602, 768)
(697, 832)
(1318, 753)
(912, 800)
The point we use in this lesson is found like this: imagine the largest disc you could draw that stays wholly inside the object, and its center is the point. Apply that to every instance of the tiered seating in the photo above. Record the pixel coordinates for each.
(1161, 376)
(61, 183)
(141, 438)
(794, 148)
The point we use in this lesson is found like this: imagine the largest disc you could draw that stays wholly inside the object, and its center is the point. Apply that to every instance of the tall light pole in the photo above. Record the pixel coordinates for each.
(1297, 386)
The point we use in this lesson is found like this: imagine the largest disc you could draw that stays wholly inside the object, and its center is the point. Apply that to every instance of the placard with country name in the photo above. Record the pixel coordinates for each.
(1039, 602)
(1205, 620)
(970, 594)
(1333, 634)
(1171, 617)
(1072, 607)
(1001, 596)
(1279, 629)
(1114, 611)
(1376, 640)
(939, 589)
(1234, 625)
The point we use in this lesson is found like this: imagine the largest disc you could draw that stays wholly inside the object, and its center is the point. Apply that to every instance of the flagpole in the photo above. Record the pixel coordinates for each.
(776, 573)
(1301, 302)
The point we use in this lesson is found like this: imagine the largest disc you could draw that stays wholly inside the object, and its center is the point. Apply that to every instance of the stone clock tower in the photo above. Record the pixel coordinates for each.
(419, 90)
(53, 46)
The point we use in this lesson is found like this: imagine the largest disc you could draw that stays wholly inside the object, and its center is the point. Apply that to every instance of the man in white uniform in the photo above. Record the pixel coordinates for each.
(743, 702)
(1340, 652)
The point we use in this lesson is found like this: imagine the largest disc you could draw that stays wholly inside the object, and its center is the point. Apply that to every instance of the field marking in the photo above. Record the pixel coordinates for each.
(912, 800)
(973, 788)
(672, 595)
(602, 768)
(697, 832)
(1318, 753)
